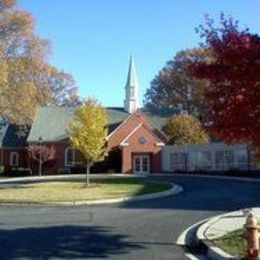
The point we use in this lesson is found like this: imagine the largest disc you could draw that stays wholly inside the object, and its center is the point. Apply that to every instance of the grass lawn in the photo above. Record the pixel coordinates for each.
(71, 190)
(232, 243)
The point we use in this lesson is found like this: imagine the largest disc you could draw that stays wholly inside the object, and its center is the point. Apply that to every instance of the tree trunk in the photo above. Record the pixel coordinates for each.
(40, 168)
(87, 177)
(40, 163)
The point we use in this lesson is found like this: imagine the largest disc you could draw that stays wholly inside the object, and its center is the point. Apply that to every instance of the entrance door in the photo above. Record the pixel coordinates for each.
(141, 164)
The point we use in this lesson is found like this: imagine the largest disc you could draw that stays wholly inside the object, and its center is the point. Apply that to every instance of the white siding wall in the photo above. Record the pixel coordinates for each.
(206, 157)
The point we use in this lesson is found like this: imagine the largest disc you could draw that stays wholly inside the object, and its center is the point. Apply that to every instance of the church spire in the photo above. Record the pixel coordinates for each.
(131, 88)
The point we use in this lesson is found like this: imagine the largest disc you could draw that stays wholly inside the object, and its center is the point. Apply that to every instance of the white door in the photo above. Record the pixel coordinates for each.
(141, 164)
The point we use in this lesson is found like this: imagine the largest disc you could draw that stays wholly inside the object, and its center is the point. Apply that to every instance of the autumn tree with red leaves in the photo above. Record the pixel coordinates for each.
(233, 74)
(42, 154)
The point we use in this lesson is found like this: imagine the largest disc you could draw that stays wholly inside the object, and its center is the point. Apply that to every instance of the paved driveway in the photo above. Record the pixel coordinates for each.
(136, 230)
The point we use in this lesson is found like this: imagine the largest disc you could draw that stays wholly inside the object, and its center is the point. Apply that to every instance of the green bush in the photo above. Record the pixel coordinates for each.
(2, 169)
(110, 171)
(18, 172)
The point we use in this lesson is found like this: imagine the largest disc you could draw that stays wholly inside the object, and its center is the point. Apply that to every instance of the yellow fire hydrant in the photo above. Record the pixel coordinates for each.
(251, 236)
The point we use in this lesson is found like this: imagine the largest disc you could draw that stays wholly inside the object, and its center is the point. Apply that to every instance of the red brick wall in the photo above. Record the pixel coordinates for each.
(26, 161)
(5, 157)
(125, 128)
(114, 141)
(56, 165)
(134, 145)
(51, 167)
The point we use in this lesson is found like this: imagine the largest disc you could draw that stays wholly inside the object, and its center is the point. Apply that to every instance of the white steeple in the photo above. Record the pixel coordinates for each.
(131, 89)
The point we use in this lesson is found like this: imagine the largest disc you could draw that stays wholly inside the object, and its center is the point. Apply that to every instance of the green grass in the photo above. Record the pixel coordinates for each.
(76, 190)
(232, 243)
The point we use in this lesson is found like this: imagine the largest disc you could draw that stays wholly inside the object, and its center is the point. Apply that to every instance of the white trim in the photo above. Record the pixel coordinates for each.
(66, 157)
(141, 158)
(162, 133)
(157, 129)
(122, 123)
(160, 144)
(123, 142)
(152, 127)
(11, 159)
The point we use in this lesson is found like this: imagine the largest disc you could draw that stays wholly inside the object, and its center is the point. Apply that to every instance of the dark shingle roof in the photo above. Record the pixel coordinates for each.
(11, 137)
(116, 115)
(51, 122)
(158, 117)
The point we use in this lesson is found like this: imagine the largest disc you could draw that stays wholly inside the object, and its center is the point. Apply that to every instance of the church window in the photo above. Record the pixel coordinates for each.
(69, 157)
(14, 159)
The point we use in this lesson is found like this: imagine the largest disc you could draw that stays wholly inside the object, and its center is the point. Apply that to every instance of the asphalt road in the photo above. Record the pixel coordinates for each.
(136, 230)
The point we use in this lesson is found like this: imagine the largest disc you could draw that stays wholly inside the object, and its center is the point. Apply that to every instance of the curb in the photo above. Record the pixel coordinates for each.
(64, 177)
(221, 177)
(120, 175)
(214, 252)
(175, 189)
(185, 238)
(200, 235)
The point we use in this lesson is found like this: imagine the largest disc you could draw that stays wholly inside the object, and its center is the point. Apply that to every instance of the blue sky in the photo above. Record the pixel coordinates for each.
(93, 39)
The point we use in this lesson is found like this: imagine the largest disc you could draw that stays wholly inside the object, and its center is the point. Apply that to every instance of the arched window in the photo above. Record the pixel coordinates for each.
(14, 159)
(69, 157)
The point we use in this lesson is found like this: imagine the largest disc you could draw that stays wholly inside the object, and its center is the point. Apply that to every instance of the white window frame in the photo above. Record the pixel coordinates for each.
(206, 163)
(229, 153)
(12, 154)
(225, 165)
(141, 163)
(241, 158)
(69, 164)
(180, 164)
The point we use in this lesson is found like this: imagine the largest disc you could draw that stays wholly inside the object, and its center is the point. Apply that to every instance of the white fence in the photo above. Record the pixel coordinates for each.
(207, 157)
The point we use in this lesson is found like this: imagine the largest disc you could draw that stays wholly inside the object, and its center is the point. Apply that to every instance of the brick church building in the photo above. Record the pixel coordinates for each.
(134, 141)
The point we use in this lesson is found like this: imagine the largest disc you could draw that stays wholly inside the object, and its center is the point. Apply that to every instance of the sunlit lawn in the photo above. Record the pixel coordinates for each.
(232, 243)
(77, 190)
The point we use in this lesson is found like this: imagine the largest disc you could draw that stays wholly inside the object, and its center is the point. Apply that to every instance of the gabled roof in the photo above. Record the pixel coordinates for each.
(158, 117)
(11, 137)
(150, 130)
(51, 122)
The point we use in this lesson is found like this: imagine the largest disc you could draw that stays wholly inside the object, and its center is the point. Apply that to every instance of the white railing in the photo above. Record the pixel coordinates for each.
(207, 157)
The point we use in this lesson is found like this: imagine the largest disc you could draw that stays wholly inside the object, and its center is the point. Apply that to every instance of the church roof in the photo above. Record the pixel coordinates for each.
(11, 137)
(157, 117)
(51, 122)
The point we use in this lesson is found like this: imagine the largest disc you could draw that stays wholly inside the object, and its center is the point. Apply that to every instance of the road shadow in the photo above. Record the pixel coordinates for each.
(65, 242)
(204, 194)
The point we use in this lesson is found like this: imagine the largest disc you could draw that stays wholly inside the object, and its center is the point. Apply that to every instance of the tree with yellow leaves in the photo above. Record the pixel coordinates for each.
(185, 129)
(88, 132)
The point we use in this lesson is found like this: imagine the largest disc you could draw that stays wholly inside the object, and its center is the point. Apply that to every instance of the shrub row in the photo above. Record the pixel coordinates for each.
(15, 171)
